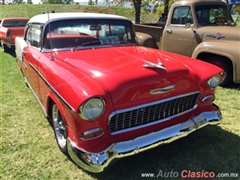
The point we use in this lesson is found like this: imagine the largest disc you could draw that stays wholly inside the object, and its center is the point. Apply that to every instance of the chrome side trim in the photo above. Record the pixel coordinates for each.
(34, 94)
(21, 61)
(98, 161)
(52, 89)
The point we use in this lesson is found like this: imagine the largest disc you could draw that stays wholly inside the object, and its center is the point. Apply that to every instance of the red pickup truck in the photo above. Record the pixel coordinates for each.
(9, 29)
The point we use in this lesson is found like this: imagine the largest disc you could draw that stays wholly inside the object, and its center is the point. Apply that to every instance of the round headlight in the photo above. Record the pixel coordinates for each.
(92, 109)
(215, 80)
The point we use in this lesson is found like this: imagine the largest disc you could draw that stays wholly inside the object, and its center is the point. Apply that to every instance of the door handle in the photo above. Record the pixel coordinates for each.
(169, 31)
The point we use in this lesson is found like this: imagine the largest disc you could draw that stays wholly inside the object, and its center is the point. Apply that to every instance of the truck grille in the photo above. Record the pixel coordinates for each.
(141, 116)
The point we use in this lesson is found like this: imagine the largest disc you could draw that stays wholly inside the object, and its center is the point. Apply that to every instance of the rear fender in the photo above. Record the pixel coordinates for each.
(20, 43)
(146, 40)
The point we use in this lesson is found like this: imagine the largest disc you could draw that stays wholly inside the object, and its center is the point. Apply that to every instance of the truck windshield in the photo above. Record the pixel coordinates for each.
(213, 15)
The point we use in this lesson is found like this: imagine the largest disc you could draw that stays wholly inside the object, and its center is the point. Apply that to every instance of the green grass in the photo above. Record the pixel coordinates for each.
(29, 151)
(238, 21)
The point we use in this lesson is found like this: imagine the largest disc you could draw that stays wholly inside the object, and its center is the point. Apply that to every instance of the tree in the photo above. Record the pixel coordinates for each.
(166, 6)
(90, 2)
(137, 4)
(137, 7)
(68, 1)
(17, 1)
(29, 2)
(54, 2)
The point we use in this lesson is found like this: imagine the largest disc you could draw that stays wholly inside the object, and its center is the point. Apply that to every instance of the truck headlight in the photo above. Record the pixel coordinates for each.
(92, 109)
(214, 81)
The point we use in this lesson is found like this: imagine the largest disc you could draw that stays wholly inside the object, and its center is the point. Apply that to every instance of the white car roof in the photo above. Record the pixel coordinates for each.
(43, 18)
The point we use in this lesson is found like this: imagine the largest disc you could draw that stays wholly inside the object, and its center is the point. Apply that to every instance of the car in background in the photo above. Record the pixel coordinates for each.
(10, 28)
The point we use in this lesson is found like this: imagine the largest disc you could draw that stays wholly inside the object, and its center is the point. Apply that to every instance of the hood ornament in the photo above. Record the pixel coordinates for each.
(217, 35)
(162, 90)
(152, 65)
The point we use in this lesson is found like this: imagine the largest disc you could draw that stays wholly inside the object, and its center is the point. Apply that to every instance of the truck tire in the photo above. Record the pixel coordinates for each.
(226, 65)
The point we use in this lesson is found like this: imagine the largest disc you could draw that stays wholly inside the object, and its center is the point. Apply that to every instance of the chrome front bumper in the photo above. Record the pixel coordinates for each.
(96, 162)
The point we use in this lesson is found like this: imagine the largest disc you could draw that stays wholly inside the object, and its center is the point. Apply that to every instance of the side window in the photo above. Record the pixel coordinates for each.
(182, 15)
(33, 35)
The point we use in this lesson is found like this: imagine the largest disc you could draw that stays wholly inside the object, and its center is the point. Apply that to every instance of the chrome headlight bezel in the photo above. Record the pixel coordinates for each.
(92, 108)
(214, 81)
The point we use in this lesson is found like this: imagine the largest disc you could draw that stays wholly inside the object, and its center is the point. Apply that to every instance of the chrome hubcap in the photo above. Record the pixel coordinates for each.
(59, 127)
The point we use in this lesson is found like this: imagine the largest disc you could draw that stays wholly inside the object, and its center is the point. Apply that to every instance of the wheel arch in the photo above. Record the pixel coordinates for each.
(206, 50)
(53, 99)
(204, 56)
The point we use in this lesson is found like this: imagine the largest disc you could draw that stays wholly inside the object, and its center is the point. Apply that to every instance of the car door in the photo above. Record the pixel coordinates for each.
(31, 55)
(177, 37)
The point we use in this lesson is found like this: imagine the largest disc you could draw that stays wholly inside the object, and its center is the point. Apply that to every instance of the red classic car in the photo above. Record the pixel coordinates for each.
(10, 28)
(106, 96)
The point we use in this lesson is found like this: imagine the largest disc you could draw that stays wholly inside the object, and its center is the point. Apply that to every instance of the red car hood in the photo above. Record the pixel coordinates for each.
(121, 70)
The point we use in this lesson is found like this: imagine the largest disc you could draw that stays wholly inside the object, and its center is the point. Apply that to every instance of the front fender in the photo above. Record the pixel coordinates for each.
(227, 49)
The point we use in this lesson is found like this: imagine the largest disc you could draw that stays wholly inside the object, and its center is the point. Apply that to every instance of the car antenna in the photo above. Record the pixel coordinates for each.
(50, 37)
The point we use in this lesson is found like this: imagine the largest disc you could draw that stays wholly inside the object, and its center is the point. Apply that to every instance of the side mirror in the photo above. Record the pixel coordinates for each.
(189, 25)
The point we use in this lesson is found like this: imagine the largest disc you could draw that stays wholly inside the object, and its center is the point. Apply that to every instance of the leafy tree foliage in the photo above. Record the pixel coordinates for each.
(90, 2)
(57, 1)
(54, 1)
(17, 1)
(68, 1)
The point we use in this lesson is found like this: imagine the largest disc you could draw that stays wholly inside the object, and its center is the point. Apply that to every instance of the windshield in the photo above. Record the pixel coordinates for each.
(88, 32)
(12, 23)
(213, 15)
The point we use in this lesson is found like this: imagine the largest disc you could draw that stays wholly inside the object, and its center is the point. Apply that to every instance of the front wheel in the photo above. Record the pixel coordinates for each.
(59, 128)
(226, 65)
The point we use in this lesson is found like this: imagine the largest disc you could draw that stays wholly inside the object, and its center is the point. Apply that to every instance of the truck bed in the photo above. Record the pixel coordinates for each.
(152, 29)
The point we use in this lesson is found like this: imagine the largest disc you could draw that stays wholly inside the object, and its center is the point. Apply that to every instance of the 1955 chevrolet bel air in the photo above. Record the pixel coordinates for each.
(106, 96)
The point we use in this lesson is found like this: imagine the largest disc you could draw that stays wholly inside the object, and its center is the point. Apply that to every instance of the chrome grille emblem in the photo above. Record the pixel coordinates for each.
(162, 90)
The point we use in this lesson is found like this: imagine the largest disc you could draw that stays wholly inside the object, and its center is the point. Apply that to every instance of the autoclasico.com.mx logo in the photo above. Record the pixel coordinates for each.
(189, 174)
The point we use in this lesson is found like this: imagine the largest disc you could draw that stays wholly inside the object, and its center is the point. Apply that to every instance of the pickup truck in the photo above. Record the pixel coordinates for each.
(201, 29)
(10, 28)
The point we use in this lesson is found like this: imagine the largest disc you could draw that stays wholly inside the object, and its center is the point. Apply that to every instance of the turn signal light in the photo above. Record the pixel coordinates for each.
(92, 134)
(208, 99)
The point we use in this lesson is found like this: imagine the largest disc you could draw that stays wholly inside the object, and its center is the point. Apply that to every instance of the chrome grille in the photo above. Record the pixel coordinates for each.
(134, 118)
